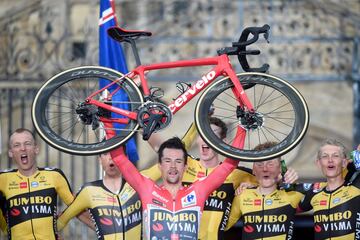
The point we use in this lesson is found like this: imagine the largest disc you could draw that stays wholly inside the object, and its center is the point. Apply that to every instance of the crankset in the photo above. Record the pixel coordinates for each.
(153, 116)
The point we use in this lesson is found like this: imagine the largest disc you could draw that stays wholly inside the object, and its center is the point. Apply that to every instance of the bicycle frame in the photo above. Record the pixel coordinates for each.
(222, 67)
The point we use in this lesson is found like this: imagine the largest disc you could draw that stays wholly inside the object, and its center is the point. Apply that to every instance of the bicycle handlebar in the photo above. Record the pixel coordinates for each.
(239, 48)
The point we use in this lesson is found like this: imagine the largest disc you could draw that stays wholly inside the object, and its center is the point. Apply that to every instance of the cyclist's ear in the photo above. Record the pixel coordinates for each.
(344, 162)
(37, 149)
(10, 153)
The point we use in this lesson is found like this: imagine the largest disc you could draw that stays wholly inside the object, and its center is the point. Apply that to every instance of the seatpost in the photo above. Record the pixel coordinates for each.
(135, 51)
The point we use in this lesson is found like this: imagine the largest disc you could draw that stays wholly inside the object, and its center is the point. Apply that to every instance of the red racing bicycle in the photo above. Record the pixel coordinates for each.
(71, 111)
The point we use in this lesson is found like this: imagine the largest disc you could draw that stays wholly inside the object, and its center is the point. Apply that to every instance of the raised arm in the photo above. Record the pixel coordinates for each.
(136, 180)
(217, 177)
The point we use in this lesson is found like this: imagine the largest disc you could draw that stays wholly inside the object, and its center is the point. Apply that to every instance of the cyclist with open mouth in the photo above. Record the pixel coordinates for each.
(170, 210)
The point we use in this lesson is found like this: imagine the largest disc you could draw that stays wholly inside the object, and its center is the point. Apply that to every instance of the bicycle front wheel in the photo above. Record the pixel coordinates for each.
(281, 116)
(65, 121)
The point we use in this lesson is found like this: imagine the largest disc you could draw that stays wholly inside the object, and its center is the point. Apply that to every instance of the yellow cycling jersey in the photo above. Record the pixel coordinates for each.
(31, 202)
(266, 216)
(3, 227)
(116, 216)
(218, 205)
(336, 213)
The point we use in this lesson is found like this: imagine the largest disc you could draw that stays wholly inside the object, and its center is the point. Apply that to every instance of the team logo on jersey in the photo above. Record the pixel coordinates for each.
(15, 212)
(124, 197)
(111, 199)
(189, 199)
(317, 228)
(157, 227)
(307, 186)
(248, 229)
(336, 200)
(157, 195)
(167, 224)
(106, 221)
(13, 185)
(268, 202)
(34, 184)
(23, 185)
(323, 202)
(200, 175)
(257, 202)
(174, 236)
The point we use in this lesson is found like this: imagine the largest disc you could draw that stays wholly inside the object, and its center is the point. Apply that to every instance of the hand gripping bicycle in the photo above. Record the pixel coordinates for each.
(72, 110)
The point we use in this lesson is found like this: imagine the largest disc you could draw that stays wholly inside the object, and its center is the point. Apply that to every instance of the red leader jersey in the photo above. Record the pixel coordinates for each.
(163, 216)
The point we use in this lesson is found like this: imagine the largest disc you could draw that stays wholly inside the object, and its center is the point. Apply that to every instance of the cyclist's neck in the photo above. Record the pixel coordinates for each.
(113, 183)
(28, 172)
(173, 188)
(266, 190)
(210, 163)
(334, 183)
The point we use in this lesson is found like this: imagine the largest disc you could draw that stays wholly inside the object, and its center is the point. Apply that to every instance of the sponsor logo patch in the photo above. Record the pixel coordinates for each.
(257, 202)
(189, 199)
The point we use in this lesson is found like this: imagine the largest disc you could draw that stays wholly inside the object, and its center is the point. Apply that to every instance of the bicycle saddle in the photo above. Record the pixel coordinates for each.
(120, 34)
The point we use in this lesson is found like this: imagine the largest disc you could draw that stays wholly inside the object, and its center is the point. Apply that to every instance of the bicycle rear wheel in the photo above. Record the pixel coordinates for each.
(281, 116)
(59, 105)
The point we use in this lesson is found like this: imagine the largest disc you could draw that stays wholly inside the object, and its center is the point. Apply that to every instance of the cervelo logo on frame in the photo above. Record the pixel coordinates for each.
(191, 92)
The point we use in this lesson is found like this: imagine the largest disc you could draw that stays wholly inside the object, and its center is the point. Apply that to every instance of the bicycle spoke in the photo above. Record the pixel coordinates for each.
(276, 119)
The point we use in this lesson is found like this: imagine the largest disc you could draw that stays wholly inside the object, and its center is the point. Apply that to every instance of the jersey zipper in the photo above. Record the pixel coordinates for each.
(31, 217)
(328, 211)
(173, 212)
(263, 214)
(122, 217)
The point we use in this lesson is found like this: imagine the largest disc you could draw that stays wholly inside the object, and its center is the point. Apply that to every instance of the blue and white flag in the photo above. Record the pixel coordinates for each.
(111, 55)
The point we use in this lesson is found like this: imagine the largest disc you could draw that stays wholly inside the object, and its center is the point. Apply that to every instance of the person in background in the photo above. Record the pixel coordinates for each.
(3, 226)
(218, 205)
(31, 192)
(267, 212)
(336, 206)
(114, 205)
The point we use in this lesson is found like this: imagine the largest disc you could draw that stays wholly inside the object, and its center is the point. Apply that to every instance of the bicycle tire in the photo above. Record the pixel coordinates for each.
(286, 125)
(57, 122)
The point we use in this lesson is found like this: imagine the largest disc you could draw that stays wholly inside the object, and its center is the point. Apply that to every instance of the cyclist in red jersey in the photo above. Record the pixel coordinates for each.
(171, 211)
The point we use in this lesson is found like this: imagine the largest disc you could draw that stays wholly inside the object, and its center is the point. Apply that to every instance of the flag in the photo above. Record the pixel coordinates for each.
(111, 55)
